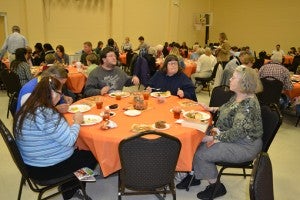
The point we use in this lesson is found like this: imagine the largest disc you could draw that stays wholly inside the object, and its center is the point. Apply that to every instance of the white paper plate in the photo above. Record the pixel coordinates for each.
(161, 94)
(91, 120)
(79, 108)
(132, 113)
(123, 94)
(203, 116)
(160, 129)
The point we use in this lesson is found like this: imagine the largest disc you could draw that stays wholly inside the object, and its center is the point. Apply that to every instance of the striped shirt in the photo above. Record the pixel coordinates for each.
(24, 73)
(47, 139)
(279, 72)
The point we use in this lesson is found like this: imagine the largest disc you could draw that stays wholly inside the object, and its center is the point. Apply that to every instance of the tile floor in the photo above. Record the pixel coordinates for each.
(283, 153)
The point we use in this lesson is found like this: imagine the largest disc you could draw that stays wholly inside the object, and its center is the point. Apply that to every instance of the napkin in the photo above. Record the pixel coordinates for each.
(199, 126)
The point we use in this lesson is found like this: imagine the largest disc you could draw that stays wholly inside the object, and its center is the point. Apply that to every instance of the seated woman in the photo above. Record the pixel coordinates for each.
(53, 154)
(57, 72)
(61, 56)
(170, 77)
(237, 133)
(21, 67)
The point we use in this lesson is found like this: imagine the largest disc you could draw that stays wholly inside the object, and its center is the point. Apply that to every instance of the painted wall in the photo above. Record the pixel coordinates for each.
(72, 22)
(259, 24)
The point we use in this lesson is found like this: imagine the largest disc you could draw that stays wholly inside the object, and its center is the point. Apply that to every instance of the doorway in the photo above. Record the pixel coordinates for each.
(3, 30)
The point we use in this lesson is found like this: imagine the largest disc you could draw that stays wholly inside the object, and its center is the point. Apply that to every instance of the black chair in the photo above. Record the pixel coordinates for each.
(272, 89)
(36, 186)
(12, 84)
(219, 96)
(206, 81)
(272, 120)
(261, 181)
(148, 165)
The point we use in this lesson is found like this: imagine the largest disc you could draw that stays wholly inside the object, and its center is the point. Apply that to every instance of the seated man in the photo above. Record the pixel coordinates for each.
(277, 70)
(58, 72)
(108, 77)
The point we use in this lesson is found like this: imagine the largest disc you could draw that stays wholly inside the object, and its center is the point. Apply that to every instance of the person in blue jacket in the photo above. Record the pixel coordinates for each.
(171, 78)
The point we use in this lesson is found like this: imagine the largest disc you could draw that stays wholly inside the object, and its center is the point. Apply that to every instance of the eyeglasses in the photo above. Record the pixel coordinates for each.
(173, 63)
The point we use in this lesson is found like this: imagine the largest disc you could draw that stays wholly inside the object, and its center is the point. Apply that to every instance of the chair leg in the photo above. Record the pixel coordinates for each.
(189, 185)
(218, 182)
(22, 181)
(244, 172)
(83, 190)
(297, 121)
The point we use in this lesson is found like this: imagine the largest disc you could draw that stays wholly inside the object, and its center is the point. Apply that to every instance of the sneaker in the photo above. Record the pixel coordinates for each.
(79, 195)
(207, 193)
(186, 181)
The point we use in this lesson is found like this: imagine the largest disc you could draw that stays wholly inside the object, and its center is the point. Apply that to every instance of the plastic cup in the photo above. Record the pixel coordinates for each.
(99, 104)
(118, 96)
(146, 95)
(176, 114)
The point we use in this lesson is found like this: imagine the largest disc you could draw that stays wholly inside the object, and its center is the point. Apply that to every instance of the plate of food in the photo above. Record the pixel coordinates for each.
(132, 113)
(161, 94)
(91, 120)
(111, 114)
(196, 116)
(122, 94)
(137, 128)
(79, 108)
(161, 125)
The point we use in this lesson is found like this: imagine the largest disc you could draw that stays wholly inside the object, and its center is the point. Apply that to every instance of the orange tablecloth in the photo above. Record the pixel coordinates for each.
(6, 62)
(288, 60)
(190, 67)
(122, 58)
(104, 143)
(76, 80)
(294, 92)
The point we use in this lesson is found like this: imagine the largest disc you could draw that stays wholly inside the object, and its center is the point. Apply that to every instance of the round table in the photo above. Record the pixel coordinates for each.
(104, 143)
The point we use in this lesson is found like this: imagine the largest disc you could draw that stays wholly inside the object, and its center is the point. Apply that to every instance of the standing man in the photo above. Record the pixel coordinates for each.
(13, 42)
(108, 77)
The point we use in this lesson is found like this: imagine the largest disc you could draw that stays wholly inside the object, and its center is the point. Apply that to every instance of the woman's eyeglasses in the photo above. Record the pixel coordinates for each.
(52, 87)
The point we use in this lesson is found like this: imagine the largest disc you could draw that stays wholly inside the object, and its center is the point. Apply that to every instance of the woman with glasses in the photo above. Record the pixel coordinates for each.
(171, 78)
(236, 136)
(46, 140)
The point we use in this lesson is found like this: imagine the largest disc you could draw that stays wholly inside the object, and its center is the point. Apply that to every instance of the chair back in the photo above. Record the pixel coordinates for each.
(261, 181)
(220, 95)
(148, 163)
(272, 120)
(11, 82)
(13, 149)
(272, 89)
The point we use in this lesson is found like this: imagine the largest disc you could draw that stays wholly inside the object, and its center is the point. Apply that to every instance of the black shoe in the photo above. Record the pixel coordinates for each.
(207, 193)
(186, 181)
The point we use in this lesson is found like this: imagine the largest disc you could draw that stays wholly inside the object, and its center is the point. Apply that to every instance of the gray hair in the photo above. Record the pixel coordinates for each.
(249, 82)
(276, 57)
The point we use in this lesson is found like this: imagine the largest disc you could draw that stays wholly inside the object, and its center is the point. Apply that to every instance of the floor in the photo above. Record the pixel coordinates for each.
(282, 152)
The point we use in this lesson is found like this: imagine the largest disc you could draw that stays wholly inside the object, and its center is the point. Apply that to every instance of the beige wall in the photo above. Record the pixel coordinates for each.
(259, 24)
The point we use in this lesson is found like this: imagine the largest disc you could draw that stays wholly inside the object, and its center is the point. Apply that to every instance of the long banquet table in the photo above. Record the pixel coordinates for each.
(104, 143)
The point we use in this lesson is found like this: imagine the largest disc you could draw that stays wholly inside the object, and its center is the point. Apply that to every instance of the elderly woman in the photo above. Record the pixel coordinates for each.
(170, 77)
(236, 136)
(38, 122)
(21, 67)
